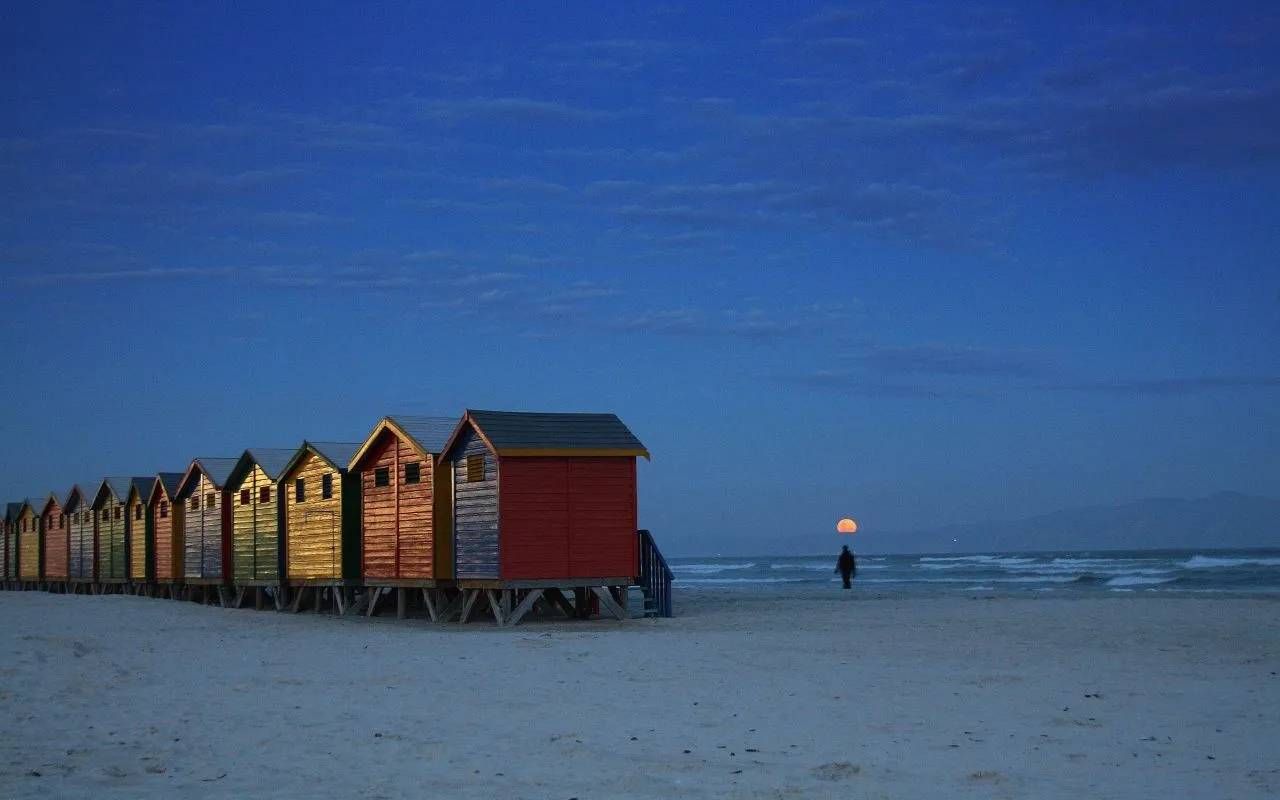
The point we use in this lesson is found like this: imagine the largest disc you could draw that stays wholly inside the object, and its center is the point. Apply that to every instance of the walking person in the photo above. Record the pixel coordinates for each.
(847, 566)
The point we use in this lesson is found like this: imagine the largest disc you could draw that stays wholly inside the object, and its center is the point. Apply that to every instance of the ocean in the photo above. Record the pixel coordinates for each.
(1191, 572)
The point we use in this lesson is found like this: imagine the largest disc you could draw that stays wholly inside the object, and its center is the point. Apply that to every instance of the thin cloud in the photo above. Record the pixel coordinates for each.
(1173, 386)
(122, 276)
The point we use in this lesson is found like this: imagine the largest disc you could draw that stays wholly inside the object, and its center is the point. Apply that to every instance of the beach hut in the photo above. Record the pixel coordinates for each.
(57, 541)
(167, 532)
(29, 535)
(83, 541)
(139, 534)
(544, 502)
(11, 543)
(113, 531)
(206, 524)
(322, 520)
(405, 530)
(257, 517)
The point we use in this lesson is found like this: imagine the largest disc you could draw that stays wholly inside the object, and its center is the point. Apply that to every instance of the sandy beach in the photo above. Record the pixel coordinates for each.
(741, 695)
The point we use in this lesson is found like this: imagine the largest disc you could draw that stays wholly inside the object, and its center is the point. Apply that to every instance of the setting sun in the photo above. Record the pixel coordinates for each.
(846, 525)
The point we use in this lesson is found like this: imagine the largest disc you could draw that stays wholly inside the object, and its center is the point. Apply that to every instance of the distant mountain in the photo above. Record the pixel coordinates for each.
(1222, 520)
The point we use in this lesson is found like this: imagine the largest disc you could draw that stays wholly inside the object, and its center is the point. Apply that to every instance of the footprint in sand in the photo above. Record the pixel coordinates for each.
(835, 771)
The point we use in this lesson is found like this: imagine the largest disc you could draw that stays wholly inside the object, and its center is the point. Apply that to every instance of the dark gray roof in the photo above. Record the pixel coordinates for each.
(218, 470)
(519, 430)
(120, 487)
(79, 489)
(273, 460)
(170, 481)
(430, 433)
(338, 454)
(11, 511)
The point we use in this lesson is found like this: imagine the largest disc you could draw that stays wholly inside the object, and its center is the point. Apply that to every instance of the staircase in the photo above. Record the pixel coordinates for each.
(655, 579)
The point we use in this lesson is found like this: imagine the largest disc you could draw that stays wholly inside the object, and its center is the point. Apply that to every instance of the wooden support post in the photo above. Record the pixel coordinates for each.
(525, 605)
(317, 605)
(429, 602)
(401, 602)
(452, 607)
(297, 599)
(340, 597)
(606, 601)
(556, 596)
(469, 600)
(495, 605)
(375, 594)
(257, 598)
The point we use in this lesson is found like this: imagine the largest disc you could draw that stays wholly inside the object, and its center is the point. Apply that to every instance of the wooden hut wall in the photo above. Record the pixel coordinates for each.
(568, 517)
(206, 530)
(83, 556)
(56, 541)
(29, 544)
(475, 511)
(322, 532)
(135, 514)
(166, 515)
(112, 555)
(255, 527)
(398, 531)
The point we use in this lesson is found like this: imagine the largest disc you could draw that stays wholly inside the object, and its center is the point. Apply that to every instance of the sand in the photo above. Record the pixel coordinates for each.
(880, 696)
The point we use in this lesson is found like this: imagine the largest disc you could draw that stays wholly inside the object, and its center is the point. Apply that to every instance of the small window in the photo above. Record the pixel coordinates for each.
(137, 511)
(382, 476)
(118, 512)
(106, 515)
(412, 472)
(164, 509)
(326, 485)
(244, 497)
(300, 490)
(210, 500)
(475, 468)
(264, 494)
(195, 502)
(61, 522)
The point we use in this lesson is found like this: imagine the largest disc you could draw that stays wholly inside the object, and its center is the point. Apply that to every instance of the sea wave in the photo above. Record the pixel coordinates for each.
(1137, 580)
(1217, 562)
(703, 569)
(722, 581)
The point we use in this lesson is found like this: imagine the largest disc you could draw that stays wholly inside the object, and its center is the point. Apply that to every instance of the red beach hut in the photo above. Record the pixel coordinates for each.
(56, 542)
(545, 501)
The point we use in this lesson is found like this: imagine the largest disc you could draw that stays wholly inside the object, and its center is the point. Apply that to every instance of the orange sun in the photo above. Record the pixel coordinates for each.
(846, 525)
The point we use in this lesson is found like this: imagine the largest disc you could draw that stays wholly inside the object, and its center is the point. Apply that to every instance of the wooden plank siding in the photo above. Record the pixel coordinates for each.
(56, 540)
(322, 533)
(255, 527)
(82, 556)
(398, 530)
(567, 517)
(137, 525)
(112, 555)
(28, 544)
(166, 515)
(205, 524)
(475, 521)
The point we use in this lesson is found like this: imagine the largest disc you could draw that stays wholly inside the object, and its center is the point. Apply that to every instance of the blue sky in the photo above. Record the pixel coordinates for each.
(913, 263)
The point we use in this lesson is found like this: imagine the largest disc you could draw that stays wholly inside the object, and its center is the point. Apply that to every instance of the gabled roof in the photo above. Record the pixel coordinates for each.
(520, 433)
(118, 488)
(52, 498)
(273, 460)
(33, 503)
(11, 511)
(167, 483)
(337, 454)
(217, 470)
(78, 490)
(427, 435)
(141, 485)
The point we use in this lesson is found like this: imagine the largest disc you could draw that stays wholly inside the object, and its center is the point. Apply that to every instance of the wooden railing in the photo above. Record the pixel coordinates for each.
(655, 576)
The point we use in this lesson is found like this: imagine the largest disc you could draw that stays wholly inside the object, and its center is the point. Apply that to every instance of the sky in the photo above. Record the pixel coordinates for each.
(916, 264)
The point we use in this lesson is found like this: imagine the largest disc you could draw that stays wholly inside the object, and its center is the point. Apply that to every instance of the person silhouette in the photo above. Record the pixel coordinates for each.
(847, 566)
